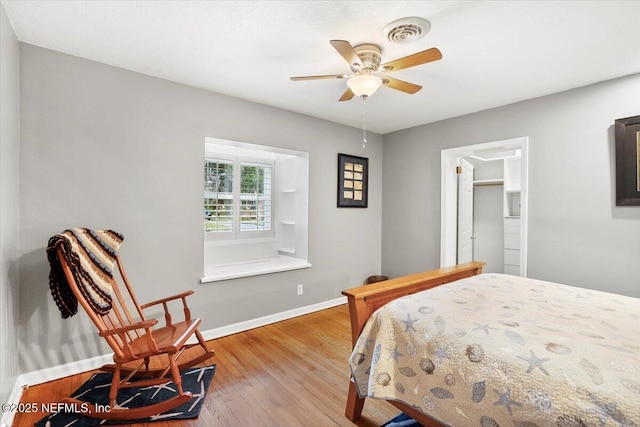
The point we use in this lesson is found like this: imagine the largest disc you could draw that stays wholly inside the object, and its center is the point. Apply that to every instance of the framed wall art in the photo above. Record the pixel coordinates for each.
(627, 133)
(353, 181)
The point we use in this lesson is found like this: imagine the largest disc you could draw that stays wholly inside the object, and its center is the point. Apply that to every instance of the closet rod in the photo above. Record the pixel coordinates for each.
(487, 183)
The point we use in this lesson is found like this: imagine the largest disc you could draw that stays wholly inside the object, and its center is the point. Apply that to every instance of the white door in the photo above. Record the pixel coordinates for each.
(465, 212)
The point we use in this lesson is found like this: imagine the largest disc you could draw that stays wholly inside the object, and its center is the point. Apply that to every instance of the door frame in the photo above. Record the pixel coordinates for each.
(449, 194)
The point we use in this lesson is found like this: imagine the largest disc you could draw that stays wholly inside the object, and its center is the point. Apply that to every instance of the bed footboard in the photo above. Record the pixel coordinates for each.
(364, 300)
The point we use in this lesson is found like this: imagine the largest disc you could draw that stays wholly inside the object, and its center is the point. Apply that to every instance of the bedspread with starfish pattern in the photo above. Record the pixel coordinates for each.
(499, 350)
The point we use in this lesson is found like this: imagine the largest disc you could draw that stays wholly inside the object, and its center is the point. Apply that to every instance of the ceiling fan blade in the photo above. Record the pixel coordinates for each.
(419, 58)
(347, 51)
(347, 95)
(326, 76)
(400, 85)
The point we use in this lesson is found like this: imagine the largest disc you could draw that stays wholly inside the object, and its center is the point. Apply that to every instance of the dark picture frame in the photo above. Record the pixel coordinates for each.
(627, 134)
(353, 181)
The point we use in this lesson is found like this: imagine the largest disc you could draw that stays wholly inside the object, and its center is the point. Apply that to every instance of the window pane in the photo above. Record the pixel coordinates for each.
(218, 196)
(255, 197)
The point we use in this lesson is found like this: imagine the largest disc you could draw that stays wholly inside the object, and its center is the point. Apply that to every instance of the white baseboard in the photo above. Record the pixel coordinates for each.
(223, 331)
(56, 372)
(49, 374)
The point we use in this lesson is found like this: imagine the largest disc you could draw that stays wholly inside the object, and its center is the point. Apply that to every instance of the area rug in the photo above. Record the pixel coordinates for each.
(96, 391)
(402, 420)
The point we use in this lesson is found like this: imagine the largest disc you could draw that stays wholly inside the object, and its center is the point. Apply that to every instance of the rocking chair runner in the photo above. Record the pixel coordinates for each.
(136, 341)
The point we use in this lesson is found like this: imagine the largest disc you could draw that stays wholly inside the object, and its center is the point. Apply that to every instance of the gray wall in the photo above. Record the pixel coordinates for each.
(577, 235)
(106, 148)
(9, 152)
(103, 147)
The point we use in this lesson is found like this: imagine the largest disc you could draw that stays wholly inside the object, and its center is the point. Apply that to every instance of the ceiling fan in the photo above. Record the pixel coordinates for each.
(364, 61)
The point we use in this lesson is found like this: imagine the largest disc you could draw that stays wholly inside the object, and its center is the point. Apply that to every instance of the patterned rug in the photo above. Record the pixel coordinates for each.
(402, 420)
(96, 391)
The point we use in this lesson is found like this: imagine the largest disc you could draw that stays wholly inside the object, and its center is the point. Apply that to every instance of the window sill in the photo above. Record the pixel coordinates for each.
(253, 268)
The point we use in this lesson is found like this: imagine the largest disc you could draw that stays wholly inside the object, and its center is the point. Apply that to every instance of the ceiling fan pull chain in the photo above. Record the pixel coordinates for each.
(364, 124)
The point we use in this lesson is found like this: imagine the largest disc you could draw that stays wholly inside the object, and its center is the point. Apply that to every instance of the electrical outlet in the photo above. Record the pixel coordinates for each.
(300, 289)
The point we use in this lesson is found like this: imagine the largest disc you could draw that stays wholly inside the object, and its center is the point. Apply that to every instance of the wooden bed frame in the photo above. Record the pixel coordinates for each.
(364, 300)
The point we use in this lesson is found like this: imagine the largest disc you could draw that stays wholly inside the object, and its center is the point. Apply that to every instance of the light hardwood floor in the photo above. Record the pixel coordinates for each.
(291, 373)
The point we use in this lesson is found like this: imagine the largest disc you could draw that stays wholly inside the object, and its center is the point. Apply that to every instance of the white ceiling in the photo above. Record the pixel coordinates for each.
(494, 52)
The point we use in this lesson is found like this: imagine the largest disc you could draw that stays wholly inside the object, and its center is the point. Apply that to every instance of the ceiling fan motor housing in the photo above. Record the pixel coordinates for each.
(369, 54)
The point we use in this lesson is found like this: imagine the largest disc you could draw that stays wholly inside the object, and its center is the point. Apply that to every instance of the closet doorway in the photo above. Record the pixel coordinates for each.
(494, 177)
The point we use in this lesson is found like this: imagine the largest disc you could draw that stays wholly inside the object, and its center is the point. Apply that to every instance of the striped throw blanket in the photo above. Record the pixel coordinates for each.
(91, 256)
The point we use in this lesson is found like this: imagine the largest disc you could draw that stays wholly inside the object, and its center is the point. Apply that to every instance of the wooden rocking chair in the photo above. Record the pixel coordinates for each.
(138, 341)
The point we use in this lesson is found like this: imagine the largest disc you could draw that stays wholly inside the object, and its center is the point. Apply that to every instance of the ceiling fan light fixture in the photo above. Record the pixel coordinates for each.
(364, 85)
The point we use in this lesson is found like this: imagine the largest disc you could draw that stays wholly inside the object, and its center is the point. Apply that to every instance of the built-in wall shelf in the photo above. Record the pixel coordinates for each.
(512, 245)
(512, 183)
(292, 207)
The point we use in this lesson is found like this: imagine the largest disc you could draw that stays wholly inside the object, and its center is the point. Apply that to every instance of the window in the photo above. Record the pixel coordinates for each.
(218, 196)
(255, 206)
(255, 197)
(237, 211)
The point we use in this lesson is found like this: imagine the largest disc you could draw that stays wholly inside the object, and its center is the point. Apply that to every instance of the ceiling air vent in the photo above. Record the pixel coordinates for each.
(406, 30)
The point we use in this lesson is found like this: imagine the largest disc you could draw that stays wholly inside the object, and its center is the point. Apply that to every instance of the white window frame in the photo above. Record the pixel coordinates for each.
(253, 234)
(222, 235)
(237, 233)
(285, 246)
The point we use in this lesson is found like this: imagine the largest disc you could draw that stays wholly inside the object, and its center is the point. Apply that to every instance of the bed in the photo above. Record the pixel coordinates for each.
(457, 347)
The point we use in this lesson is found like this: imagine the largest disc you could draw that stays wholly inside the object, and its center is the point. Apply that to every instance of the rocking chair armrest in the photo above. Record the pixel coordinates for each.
(167, 299)
(145, 324)
(164, 301)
